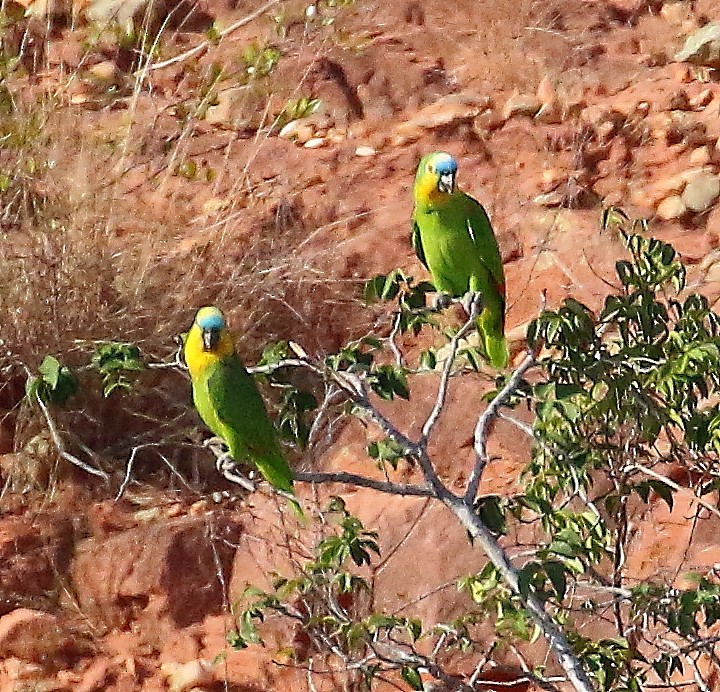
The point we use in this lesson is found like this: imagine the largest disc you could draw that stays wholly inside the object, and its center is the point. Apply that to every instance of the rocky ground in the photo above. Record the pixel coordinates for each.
(138, 186)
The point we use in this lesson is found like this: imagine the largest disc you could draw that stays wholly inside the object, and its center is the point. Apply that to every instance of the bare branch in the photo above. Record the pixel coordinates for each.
(60, 445)
(364, 482)
(673, 485)
(552, 632)
(481, 429)
(445, 378)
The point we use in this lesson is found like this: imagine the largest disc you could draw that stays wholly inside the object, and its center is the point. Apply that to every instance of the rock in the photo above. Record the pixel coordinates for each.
(550, 113)
(699, 101)
(185, 676)
(701, 191)
(315, 143)
(106, 71)
(365, 151)
(551, 178)
(700, 156)
(35, 551)
(550, 199)
(671, 207)
(702, 47)
(304, 133)
(221, 111)
(546, 91)
(288, 130)
(33, 635)
(165, 570)
(521, 104)
(487, 121)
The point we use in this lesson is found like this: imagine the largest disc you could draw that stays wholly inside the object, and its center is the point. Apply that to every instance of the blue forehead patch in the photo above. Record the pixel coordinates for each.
(213, 321)
(445, 164)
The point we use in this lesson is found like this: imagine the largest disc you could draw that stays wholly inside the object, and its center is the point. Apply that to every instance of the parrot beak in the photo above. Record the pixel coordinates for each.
(210, 338)
(446, 183)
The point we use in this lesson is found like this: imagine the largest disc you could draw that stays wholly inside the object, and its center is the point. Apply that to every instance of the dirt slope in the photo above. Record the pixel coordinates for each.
(135, 194)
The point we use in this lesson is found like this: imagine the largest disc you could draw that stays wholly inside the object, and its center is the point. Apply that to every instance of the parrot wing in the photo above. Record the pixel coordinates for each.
(416, 240)
(248, 431)
(483, 237)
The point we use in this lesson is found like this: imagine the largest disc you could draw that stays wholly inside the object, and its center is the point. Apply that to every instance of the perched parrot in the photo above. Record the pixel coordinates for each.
(228, 401)
(453, 238)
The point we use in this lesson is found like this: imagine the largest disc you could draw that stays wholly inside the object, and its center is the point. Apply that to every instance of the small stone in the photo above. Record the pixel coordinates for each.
(551, 178)
(550, 199)
(213, 205)
(679, 101)
(335, 135)
(671, 208)
(80, 98)
(702, 47)
(701, 191)
(315, 143)
(220, 111)
(185, 676)
(304, 133)
(550, 113)
(699, 101)
(288, 130)
(546, 91)
(700, 156)
(365, 151)
(106, 71)
(521, 104)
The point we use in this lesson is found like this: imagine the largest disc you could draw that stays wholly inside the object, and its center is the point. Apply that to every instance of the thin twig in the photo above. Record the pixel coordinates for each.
(222, 34)
(673, 485)
(391, 339)
(481, 429)
(445, 378)
(60, 445)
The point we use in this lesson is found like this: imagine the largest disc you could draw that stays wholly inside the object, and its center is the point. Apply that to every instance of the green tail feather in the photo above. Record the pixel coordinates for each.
(490, 328)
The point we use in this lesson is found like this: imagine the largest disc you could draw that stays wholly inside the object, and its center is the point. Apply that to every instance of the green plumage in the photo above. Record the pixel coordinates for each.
(454, 239)
(227, 399)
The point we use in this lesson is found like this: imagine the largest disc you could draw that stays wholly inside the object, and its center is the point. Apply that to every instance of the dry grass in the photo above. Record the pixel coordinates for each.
(100, 240)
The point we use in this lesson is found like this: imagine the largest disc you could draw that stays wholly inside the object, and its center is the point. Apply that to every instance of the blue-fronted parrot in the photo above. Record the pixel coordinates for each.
(453, 238)
(227, 399)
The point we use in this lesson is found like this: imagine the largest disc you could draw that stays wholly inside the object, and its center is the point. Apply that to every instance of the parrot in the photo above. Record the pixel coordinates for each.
(228, 401)
(454, 240)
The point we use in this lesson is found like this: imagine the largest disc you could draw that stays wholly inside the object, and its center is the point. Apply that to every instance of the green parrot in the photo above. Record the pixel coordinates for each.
(228, 401)
(453, 238)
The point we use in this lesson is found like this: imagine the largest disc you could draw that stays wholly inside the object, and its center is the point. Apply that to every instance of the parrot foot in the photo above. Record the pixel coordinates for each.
(214, 442)
(441, 301)
(469, 299)
(227, 468)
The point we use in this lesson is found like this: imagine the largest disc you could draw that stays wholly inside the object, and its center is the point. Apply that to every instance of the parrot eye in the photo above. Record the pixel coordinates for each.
(431, 169)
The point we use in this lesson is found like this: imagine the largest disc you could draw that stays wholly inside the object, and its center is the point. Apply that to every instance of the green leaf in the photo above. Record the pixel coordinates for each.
(412, 678)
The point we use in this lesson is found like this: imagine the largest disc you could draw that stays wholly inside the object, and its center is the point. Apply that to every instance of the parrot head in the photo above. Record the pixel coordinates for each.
(208, 341)
(435, 178)
(211, 322)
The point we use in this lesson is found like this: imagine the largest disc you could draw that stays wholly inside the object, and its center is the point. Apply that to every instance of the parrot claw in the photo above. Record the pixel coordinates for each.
(441, 302)
(227, 468)
(469, 299)
(214, 442)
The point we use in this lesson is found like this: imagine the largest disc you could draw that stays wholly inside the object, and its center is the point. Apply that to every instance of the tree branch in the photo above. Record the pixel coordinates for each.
(557, 640)
(481, 429)
(445, 378)
(364, 482)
